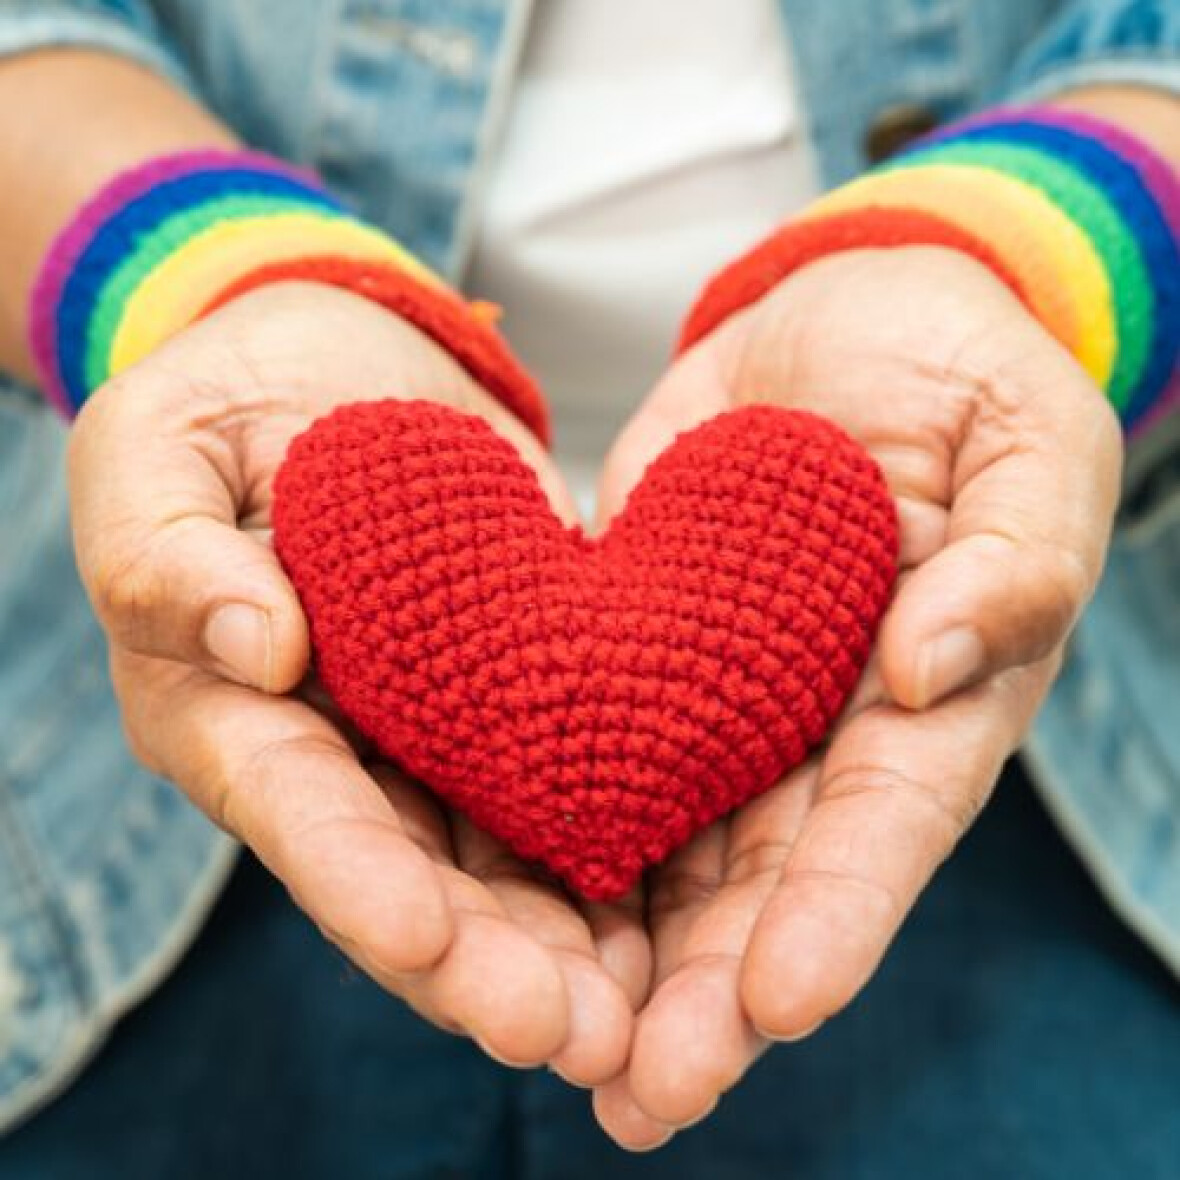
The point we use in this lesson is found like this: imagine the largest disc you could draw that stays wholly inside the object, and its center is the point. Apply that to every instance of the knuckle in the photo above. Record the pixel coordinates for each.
(1063, 584)
(879, 895)
(951, 810)
(1050, 582)
(680, 889)
(1002, 400)
(127, 590)
(142, 686)
(131, 582)
(763, 859)
(258, 776)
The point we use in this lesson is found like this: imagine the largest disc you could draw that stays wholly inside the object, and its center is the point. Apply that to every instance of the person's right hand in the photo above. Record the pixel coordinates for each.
(171, 467)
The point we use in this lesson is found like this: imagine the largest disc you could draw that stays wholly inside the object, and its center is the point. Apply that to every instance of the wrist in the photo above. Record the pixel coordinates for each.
(78, 117)
(819, 333)
(301, 345)
(170, 241)
(1076, 217)
(1149, 114)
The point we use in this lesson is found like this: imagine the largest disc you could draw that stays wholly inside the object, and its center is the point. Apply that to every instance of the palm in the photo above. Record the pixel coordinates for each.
(429, 906)
(771, 921)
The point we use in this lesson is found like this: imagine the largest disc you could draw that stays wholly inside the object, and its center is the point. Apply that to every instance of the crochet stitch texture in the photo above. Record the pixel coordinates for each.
(592, 702)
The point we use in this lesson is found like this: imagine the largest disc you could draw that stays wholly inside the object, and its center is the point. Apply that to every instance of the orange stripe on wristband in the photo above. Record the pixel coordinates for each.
(1067, 285)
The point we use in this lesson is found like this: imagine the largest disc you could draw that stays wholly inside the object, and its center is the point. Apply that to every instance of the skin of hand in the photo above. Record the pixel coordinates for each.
(1005, 462)
(767, 923)
(170, 471)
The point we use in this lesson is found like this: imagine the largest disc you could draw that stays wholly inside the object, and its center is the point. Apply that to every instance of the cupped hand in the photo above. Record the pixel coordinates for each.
(1004, 460)
(171, 467)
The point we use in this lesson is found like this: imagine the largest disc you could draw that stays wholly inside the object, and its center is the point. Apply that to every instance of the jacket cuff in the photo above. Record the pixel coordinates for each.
(1155, 71)
(26, 27)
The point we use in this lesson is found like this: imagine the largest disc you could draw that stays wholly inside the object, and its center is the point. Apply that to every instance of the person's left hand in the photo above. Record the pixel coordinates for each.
(1004, 459)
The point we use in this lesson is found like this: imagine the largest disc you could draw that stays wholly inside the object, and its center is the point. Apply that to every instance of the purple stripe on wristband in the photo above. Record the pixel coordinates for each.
(1158, 177)
(1155, 173)
(71, 243)
(1164, 186)
(1167, 403)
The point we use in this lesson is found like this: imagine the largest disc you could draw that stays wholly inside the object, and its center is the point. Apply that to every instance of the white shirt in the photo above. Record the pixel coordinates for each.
(647, 144)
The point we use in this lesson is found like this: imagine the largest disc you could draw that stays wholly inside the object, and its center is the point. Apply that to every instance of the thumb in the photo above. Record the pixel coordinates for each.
(1026, 540)
(168, 569)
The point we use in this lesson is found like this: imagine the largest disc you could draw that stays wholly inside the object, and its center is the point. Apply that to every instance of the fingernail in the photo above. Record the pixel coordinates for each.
(238, 637)
(948, 663)
(499, 1058)
(654, 1144)
(792, 1038)
(700, 1118)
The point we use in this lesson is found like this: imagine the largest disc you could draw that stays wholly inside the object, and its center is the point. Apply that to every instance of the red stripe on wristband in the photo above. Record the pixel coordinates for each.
(463, 331)
(799, 243)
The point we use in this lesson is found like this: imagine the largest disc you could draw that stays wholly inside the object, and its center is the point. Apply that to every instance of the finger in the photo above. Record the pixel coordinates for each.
(621, 1117)
(693, 1040)
(624, 948)
(165, 464)
(280, 778)
(168, 570)
(680, 891)
(695, 1018)
(599, 1033)
(497, 983)
(897, 790)
(312, 692)
(1036, 487)
(986, 416)
(921, 530)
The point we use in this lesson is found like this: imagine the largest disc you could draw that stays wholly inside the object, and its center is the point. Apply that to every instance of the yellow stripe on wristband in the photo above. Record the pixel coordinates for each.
(1066, 282)
(176, 291)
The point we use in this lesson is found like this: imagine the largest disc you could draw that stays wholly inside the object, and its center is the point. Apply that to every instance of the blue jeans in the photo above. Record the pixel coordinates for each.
(1016, 1031)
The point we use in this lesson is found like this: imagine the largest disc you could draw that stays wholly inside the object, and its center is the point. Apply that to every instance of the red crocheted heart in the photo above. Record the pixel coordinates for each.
(591, 702)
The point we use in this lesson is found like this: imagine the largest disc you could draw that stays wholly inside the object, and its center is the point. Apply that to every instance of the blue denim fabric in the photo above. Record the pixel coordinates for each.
(104, 872)
(1015, 1032)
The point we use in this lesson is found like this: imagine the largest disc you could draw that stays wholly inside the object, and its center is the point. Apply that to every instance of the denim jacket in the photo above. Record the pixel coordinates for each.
(106, 873)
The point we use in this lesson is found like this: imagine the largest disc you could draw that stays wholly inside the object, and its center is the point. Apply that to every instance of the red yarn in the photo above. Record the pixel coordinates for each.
(591, 702)
(435, 311)
(755, 273)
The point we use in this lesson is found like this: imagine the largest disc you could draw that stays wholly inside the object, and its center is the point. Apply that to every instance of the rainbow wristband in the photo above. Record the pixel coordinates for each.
(1078, 218)
(170, 240)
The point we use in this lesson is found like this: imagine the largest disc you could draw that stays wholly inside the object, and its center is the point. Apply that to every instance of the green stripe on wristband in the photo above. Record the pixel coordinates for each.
(1087, 205)
(156, 246)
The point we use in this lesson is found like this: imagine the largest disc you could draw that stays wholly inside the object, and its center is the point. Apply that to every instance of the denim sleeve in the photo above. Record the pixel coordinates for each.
(1091, 42)
(126, 27)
